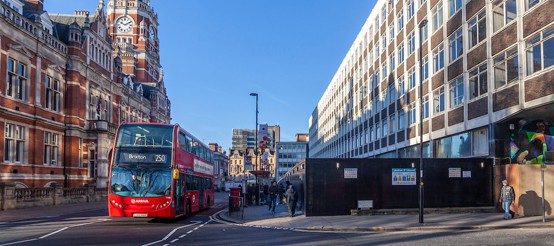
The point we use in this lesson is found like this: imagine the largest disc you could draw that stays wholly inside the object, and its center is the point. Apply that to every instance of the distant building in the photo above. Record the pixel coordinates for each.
(246, 138)
(242, 161)
(290, 153)
(221, 165)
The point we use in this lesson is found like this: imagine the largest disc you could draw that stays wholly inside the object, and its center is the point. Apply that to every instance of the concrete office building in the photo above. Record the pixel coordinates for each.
(487, 83)
(246, 138)
(290, 153)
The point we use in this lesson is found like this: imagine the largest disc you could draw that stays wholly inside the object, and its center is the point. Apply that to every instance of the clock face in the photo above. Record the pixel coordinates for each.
(124, 24)
(152, 33)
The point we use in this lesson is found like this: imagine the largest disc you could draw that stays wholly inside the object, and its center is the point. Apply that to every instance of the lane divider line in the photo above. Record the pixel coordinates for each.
(173, 231)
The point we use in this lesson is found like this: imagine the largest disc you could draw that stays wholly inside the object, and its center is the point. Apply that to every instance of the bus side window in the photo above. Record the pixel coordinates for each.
(182, 141)
(209, 183)
(195, 182)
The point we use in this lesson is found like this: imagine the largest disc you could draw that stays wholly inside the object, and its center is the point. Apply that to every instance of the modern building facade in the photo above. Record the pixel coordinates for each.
(67, 81)
(485, 74)
(246, 138)
(290, 153)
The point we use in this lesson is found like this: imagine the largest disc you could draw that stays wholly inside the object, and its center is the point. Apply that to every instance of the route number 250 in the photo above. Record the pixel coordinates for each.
(160, 158)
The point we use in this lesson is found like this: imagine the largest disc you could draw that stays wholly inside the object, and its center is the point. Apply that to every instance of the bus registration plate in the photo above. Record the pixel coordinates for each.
(137, 215)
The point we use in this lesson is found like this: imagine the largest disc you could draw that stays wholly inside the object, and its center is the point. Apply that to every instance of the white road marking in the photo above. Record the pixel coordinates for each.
(52, 233)
(171, 233)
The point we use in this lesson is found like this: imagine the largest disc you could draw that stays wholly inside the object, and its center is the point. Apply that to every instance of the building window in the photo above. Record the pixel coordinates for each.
(393, 125)
(454, 6)
(51, 148)
(400, 21)
(410, 8)
(14, 143)
(455, 45)
(53, 94)
(477, 29)
(412, 114)
(456, 92)
(531, 3)
(401, 120)
(540, 50)
(411, 78)
(17, 79)
(378, 130)
(424, 33)
(391, 32)
(401, 86)
(425, 67)
(401, 53)
(438, 100)
(437, 16)
(503, 13)
(392, 61)
(384, 69)
(422, 2)
(506, 68)
(411, 43)
(384, 13)
(478, 81)
(480, 142)
(426, 107)
(392, 93)
(438, 58)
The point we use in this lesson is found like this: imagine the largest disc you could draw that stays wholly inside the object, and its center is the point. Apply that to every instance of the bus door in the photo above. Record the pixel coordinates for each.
(201, 192)
(179, 196)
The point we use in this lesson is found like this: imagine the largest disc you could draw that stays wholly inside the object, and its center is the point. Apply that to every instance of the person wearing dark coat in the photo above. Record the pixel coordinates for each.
(273, 192)
(292, 198)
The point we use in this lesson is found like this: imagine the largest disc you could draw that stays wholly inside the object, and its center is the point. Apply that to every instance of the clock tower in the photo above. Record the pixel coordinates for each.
(133, 26)
(134, 30)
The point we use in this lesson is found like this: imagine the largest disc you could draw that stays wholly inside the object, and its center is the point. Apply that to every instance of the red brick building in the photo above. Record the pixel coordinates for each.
(67, 81)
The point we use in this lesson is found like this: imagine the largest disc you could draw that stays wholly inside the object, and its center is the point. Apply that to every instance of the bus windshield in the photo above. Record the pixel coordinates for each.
(145, 136)
(140, 182)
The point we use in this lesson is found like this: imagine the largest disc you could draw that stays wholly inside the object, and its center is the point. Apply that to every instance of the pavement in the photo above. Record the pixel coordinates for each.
(260, 216)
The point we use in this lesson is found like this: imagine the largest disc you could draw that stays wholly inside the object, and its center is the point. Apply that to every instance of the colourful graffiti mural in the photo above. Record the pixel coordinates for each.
(532, 141)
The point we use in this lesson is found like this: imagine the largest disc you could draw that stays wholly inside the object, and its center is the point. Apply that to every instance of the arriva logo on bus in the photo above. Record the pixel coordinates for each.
(133, 201)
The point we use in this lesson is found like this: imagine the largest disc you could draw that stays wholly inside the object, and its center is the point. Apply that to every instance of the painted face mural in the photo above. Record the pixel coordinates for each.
(532, 141)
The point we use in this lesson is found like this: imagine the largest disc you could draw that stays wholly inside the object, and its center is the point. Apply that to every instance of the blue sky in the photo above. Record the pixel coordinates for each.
(216, 52)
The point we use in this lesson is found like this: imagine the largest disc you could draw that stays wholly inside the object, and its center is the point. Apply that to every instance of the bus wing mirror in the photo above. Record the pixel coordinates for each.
(175, 173)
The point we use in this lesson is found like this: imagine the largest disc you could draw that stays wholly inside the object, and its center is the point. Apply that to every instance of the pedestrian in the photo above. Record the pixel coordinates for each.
(507, 196)
(292, 198)
(273, 192)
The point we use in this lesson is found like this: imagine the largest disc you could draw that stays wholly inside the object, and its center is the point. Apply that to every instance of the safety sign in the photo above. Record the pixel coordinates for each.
(403, 176)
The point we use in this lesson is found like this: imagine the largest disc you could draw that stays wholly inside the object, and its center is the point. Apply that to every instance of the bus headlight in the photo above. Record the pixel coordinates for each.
(117, 204)
(165, 204)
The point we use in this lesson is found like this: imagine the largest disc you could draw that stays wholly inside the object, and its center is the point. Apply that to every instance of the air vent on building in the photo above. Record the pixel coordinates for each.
(17, 108)
(14, 171)
(51, 172)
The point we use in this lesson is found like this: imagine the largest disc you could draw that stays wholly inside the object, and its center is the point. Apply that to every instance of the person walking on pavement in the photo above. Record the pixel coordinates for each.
(507, 196)
(273, 192)
(292, 198)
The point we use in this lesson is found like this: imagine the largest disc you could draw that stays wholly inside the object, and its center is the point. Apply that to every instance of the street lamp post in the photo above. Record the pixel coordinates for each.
(256, 136)
(422, 24)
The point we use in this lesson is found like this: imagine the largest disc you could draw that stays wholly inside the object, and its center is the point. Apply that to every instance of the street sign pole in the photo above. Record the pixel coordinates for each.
(543, 167)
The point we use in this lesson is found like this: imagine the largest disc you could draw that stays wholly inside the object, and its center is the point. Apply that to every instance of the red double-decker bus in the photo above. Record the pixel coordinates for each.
(159, 171)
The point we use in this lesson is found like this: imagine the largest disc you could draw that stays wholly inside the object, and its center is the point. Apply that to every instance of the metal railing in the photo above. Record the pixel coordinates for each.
(28, 194)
